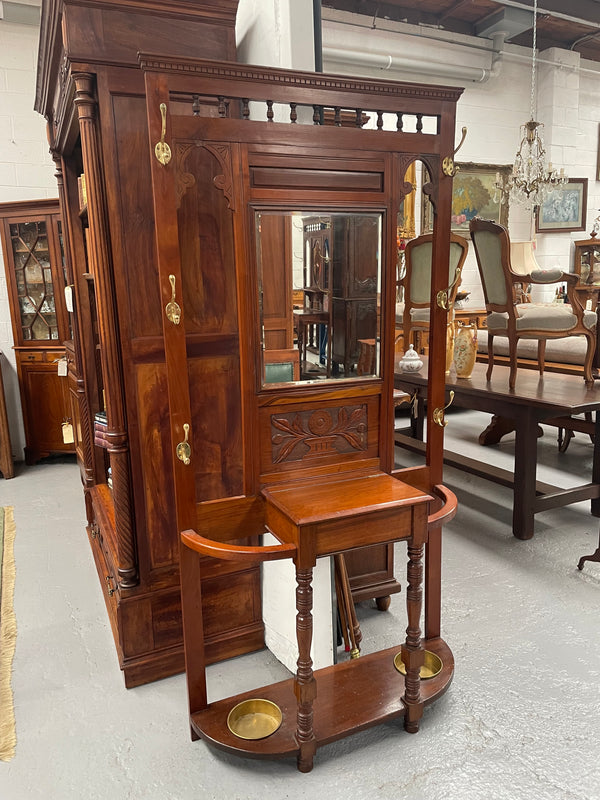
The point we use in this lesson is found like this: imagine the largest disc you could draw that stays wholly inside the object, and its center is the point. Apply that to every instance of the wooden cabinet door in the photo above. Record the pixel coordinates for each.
(46, 406)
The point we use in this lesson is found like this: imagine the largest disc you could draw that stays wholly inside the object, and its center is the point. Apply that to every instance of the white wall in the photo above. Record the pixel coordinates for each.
(26, 173)
(493, 110)
(276, 33)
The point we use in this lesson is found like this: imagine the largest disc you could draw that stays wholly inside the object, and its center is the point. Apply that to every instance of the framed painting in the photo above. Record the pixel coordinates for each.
(473, 195)
(564, 209)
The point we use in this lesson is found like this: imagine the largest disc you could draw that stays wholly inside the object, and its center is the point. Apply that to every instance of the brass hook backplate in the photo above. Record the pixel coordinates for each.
(438, 413)
(183, 450)
(162, 150)
(442, 299)
(448, 167)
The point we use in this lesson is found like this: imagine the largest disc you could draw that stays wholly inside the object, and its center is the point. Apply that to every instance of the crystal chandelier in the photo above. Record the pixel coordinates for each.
(531, 181)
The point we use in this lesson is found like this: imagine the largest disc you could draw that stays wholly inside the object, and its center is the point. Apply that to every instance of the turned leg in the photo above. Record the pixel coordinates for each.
(413, 654)
(305, 687)
(490, 367)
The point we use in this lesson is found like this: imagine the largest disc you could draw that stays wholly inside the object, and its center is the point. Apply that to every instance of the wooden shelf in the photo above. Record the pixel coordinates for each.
(345, 703)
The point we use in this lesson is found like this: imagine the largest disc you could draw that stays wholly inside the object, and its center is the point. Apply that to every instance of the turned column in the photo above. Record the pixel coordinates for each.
(305, 686)
(100, 266)
(413, 654)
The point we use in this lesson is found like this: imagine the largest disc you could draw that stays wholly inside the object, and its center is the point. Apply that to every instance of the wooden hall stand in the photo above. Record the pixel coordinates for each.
(317, 465)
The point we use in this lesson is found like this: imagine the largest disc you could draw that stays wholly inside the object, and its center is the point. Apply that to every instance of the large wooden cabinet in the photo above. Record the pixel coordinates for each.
(32, 244)
(91, 91)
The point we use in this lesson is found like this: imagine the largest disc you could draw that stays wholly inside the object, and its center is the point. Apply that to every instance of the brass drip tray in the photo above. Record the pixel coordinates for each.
(431, 667)
(254, 719)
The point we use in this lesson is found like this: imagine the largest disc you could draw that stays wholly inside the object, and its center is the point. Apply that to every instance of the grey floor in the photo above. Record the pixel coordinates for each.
(520, 721)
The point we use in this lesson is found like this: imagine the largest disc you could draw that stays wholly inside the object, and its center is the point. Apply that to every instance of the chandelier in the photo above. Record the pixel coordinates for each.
(531, 181)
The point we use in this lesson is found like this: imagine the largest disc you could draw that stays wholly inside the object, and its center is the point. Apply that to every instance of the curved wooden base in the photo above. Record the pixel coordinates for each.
(352, 696)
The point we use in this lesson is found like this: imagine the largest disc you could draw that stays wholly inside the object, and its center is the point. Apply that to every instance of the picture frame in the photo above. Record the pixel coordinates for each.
(473, 195)
(598, 157)
(564, 210)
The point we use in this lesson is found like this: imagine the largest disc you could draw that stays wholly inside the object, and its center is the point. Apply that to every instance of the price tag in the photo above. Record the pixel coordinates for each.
(69, 298)
(67, 433)
(62, 366)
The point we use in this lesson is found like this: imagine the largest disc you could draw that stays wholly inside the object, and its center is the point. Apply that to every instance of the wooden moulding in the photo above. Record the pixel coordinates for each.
(344, 703)
(233, 552)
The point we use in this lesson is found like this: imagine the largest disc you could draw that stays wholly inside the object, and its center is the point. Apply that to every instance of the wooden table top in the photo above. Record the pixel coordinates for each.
(551, 391)
(341, 497)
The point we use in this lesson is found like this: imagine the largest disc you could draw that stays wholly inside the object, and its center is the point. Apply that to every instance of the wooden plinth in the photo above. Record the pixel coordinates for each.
(351, 697)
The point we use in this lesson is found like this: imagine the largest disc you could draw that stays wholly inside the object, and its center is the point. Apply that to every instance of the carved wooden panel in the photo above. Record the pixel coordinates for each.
(206, 241)
(306, 435)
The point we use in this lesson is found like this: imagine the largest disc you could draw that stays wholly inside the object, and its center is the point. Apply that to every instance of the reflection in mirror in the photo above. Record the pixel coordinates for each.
(415, 218)
(319, 277)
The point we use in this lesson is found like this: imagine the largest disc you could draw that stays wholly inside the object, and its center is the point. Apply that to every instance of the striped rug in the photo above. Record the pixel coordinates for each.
(8, 633)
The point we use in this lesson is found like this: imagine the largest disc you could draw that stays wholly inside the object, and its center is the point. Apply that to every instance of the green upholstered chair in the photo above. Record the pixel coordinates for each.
(516, 321)
(414, 315)
(281, 366)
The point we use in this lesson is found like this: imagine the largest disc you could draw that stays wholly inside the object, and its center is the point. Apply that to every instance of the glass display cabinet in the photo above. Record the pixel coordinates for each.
(32, 244)
(587, 262)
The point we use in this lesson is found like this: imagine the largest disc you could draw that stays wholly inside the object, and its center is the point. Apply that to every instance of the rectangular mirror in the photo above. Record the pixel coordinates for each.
(319, 281)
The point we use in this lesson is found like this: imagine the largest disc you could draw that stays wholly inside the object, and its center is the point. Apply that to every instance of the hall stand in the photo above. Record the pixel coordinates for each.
(227, 150)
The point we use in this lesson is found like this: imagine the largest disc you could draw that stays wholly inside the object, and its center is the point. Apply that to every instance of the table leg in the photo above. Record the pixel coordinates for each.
(417, 418)
(525, 475)
(596, 361)
(301, 345)
(595, 506)
(413, 654)
(433, 584)
(305, 687)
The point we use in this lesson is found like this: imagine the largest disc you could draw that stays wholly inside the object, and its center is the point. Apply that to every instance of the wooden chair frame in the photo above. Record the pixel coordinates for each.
(410, 325)
(511, 281)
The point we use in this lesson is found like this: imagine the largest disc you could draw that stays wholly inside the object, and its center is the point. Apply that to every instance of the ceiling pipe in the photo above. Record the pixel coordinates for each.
(318, 35)
(419, 66)
(556, 14)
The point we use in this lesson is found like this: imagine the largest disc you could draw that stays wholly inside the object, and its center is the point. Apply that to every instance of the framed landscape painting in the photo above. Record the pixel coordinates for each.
(564, 209)
(474, 195)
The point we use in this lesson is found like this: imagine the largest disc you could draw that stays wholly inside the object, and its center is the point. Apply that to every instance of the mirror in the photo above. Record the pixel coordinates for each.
(319, 280)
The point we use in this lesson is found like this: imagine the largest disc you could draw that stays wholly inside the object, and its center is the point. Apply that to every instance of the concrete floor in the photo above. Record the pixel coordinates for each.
(520, 721)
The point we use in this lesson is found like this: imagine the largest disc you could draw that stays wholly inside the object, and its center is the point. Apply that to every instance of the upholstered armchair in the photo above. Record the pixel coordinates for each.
(414, 315)
(516, 321)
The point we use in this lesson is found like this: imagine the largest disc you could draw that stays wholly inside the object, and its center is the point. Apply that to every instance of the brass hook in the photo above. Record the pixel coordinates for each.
(173, 309)
(162, 149)
(183, 451)
(438, 413)
(449, 168)
(462, 140)
(443, 295)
